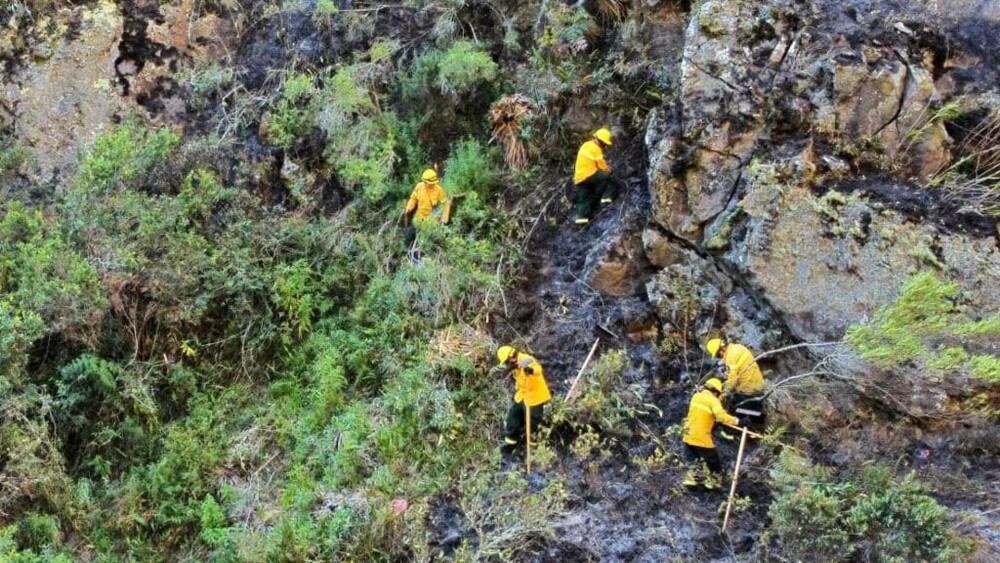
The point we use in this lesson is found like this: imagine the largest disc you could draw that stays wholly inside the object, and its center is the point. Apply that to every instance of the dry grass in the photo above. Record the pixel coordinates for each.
(508, 115)
(614, 9)
(460, 341)
(974, 178)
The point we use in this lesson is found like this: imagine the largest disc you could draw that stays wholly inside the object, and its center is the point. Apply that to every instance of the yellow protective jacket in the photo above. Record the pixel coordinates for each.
(744, 373)
(424, 199)
(529, 382)
(705, 410)
(589, 160)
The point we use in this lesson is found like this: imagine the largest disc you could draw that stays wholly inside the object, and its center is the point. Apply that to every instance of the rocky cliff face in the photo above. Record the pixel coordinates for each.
(801, 145)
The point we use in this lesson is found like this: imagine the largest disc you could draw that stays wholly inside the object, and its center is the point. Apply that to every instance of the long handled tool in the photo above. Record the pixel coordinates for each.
(736, 474)
(571, 394)
(527, 443)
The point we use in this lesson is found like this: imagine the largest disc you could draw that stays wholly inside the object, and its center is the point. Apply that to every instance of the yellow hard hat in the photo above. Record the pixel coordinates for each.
(505, 352)
(603, 135)
(715, 384)
(712, 346)
(429, 175)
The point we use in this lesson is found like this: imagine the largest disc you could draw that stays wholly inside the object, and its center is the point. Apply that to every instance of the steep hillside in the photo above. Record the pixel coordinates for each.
(216, 347)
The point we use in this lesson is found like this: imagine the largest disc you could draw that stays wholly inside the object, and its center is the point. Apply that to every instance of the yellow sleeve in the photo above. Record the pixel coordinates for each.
(599, 161)
(721, 415)
(412, 204)
(740, 366)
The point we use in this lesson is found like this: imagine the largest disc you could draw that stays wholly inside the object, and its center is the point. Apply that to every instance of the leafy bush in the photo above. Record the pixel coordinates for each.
(38, 531)
(464, 66)
(293, 117)
(929, 326)
(471, 168)
(40, 272)
(360, 137)
(874, 518)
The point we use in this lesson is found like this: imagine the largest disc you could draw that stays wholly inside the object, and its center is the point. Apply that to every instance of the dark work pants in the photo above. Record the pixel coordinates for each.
(514, 427)
(708, 455)
(410, 236)
(590, 192)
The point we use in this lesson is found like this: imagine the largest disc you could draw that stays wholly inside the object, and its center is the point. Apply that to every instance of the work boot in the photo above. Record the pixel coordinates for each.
(713, 482)
(725, 435)
(507, 448)
(581, 221)
(690, 479)
(606, 200)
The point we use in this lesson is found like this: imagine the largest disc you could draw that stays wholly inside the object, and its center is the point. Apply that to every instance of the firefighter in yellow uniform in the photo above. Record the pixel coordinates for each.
(705, 410)
(530, 389)
(744, 381)
(427, 196)
(592, 181)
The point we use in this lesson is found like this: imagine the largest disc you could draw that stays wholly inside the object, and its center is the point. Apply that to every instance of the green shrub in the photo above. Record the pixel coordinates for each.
(38, 531)
(360, 137)
(928, 326)
(293, 117)
(12, 157)
(213, 522)
(471, 167)
(120, 158)
(873, 518)
(40, 272)
(463, 67)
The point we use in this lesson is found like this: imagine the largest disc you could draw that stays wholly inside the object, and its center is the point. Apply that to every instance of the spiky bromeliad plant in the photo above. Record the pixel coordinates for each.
(508, 117)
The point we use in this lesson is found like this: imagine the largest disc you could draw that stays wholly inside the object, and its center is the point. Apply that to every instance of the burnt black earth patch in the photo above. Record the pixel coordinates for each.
(925, 205)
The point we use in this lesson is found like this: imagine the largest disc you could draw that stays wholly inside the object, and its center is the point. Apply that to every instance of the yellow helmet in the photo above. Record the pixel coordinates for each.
(603, 135)
(505, 352)
(712, 346)
(715, 384)
(429, 175)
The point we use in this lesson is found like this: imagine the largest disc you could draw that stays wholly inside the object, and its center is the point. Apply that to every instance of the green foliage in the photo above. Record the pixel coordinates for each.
(875, 517)
(121, 158)
(213, 522)
(39, 271)
(464, 66)
(37, 531)
(471, 167)
(460, 70)
(360, 138)
(325, 10)
(10, 552)
(292, 118)
(12, 156)
(928, 326)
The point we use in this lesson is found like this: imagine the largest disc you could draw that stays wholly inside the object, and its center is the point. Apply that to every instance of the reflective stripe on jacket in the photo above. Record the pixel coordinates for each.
(589, 160)
(424, 199)
(704, 412)
(529, 382)
(744, 373)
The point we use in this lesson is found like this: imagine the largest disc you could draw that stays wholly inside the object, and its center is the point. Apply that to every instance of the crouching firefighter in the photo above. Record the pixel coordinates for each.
(744, 387)
(705, 410)
(530, 391)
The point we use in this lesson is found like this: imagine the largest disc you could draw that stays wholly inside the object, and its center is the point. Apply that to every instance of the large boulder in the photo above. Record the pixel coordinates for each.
(755, 75)
(780, 108)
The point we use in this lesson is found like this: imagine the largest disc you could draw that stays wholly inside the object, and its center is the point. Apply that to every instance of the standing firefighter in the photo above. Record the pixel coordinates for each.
(427, 196)
(530, 390)
(744, 381)
(592, 177)
(705, 410)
